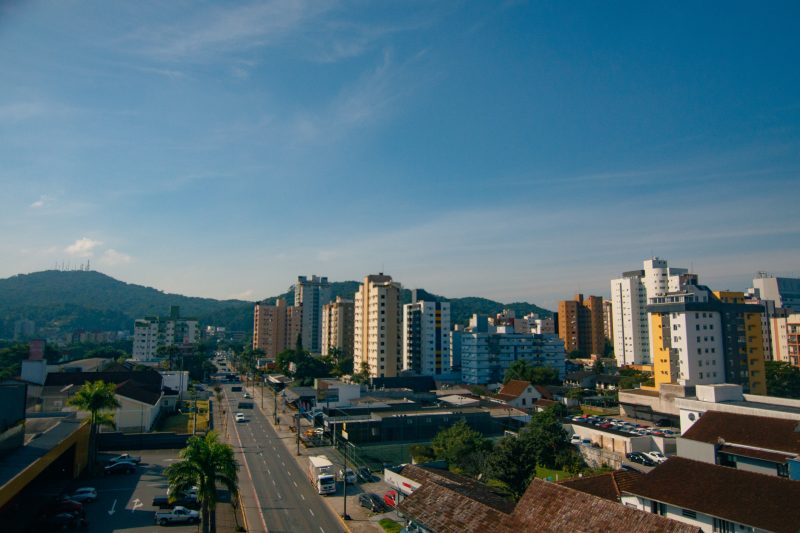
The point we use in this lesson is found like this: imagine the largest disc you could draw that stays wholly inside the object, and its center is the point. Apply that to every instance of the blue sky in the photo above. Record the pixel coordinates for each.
(517, 150)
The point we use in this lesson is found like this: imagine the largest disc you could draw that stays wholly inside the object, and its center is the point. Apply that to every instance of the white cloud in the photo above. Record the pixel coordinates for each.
(111, 257)
(244, 295)
(83, 247)
(38, 204)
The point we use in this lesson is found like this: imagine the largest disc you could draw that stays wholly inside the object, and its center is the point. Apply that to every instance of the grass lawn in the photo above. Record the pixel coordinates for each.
(182, 423)
(390, 526)
(555, 475)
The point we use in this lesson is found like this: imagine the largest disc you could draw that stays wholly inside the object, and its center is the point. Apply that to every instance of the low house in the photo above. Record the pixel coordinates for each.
(445, 503)
(607, 382)
(609, 486)
(753, 443)
(717, 498)
(583, 379)
(522, 394)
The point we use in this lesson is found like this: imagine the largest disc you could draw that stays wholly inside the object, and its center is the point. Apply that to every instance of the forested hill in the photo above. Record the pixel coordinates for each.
(94, 301)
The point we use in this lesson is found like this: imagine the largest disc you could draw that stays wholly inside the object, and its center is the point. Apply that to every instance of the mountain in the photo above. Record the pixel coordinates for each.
(91, 300)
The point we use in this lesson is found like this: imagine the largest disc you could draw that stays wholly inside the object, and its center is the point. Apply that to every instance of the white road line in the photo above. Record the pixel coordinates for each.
(312, 512)
(295, 483)
(302, 496)
(320, 528)
(273, 482)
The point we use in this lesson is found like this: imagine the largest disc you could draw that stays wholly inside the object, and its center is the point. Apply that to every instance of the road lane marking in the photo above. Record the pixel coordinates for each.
(312, 512)
(295, 483)
(320, 528)
(302, 496)
(113, 505)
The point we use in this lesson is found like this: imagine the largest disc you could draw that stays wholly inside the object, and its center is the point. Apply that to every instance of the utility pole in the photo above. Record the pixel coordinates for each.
(345, 516)
(275, 406)
(297, 418)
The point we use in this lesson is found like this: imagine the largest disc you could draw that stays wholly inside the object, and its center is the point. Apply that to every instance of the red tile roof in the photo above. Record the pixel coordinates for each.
(609, 485)
(774, 434)
(514, 388)
(755, 500)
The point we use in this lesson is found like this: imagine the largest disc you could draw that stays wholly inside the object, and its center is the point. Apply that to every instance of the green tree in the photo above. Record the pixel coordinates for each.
(95, 397)
(598, 367)
(547, 437)
(538, 375)
(205, 463)
(421, 453)
(462, 447)
(513, 462)
(783, 379)
(363, 374)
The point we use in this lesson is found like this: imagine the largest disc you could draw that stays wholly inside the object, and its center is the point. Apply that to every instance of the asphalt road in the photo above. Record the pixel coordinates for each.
(285, 501)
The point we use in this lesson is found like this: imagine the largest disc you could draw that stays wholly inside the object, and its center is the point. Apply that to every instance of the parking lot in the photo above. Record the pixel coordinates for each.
(124, 500)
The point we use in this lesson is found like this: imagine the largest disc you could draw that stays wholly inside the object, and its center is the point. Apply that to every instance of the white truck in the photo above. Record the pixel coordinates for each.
(320, 473)
(177, 516)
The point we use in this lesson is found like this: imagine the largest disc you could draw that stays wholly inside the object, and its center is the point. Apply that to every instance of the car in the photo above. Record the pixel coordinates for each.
(122, 467)
(640, 458)
(390, 498)
(83, 495)
(163, 502)
(63, 521)
(65, 506)
(575, 439)
(372, 502)
(240, 417)
(125, 457)
(586, 442)
(348, 476)
(365, 475)
(656, 457)
(247, 395)
(178, 515)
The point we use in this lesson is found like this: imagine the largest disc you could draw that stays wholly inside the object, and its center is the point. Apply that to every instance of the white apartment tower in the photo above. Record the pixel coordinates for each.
(151, 333)
(311, 294)
(377, 339)
(426, 337)
(629, 296)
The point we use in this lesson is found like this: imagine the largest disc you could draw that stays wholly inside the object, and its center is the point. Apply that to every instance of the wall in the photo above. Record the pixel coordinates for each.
(132, 415)
(696, 450)
(596, 457)
(141, 441)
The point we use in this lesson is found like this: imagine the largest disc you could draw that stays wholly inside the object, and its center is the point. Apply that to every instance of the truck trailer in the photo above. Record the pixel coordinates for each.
(320, 473)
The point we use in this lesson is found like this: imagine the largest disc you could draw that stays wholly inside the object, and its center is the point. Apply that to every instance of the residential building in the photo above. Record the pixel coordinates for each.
(785, 292)
(544, 326)
(24, 329)
(276, 327)
(488, 351)
(377, 336)
(426, 337)
(608, 320)
(522, 394)
(455, 348)
(785, 338)
(580, 325)
(151, 333)
(629, 296)
(702, 337)
(716, 498)
(311, 294)
(337, 326)
(443, 502)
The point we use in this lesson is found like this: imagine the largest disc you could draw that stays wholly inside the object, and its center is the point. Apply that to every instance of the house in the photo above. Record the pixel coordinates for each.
(445, 503)
(753, 443)
(609, 485)
(522, 394)
(717, 498)
(583, 379)
(607, 382)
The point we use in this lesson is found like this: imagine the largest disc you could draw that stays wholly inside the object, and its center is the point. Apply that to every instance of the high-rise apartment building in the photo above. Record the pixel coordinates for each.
(580, 325)
(608, 321)
(151, 333)
(487, 351)
(276, 327)
(311, 294)
(700, 337)
(337, 326)
(377, 337)
(426, 337)
(785, 292)
(786, 338)
(629, 296)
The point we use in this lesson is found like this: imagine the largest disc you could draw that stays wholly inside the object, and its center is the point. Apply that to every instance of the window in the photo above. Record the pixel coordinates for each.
(658, 508)
(688, 514)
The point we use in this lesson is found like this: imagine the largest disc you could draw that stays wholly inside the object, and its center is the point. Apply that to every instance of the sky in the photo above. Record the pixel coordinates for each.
(520, 151)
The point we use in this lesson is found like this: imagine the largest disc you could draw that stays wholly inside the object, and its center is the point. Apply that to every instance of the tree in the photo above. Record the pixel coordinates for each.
(96, 397)
(462, 447)
(598, 367)
(537, 375)
(547, 437)
(205, 462)
(513, 462)
(421, 453)
(783, 379)
(363, 374)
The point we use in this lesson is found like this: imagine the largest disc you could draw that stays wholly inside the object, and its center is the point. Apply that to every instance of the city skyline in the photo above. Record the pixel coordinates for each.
(516, 152)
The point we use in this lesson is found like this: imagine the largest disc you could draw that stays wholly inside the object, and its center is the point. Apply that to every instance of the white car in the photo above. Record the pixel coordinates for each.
(657, 457)
(240, 417)
(83, 495)
(575, 439)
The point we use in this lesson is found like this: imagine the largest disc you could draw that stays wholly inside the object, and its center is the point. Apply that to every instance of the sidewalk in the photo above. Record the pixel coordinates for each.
(360, 522)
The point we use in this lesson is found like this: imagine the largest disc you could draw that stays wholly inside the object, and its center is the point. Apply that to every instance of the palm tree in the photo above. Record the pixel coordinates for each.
(205, 462)
(96, 397)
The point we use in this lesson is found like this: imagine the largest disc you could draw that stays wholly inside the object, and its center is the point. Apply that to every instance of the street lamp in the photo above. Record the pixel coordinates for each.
(345, 516)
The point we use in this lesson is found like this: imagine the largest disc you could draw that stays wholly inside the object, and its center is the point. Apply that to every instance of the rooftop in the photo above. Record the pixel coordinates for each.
(608, 486)
(514, 388)
(774, 434)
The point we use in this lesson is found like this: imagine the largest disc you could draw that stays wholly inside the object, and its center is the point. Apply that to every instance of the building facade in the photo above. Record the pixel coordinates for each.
(377, 337)
(152, 333)
(337, 326)
(426, 337)
(786, 338)
(785, 292)
(699, 337)
(580, 325)
(311, 294)
(608, 321)
(629, 296)
(276, 327)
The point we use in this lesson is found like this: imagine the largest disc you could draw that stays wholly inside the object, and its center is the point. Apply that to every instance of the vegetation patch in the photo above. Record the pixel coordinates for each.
(390, 526)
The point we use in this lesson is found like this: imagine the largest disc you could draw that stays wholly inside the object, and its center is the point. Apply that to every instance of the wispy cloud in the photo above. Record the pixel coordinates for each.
(33, 109)
(83, 247)
(41, 202)
(112, 257)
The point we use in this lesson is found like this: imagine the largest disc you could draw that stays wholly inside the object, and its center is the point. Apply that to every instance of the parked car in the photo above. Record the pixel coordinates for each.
(62, 521)
(247, 395)
(83, 495)
(657, 457)
(575, 439)
(122, 467)
(125, 457)
(639, 457)
(240, 417)
(348, 476)
(372, 502)
(163, 502)
(365, 475)
(65, 506)
(178, 515)
(390, 498)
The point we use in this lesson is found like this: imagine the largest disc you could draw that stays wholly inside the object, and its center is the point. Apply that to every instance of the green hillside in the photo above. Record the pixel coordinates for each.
(94, 301)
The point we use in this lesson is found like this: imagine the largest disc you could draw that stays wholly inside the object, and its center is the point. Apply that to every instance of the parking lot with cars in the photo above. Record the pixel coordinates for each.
(122, 499)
